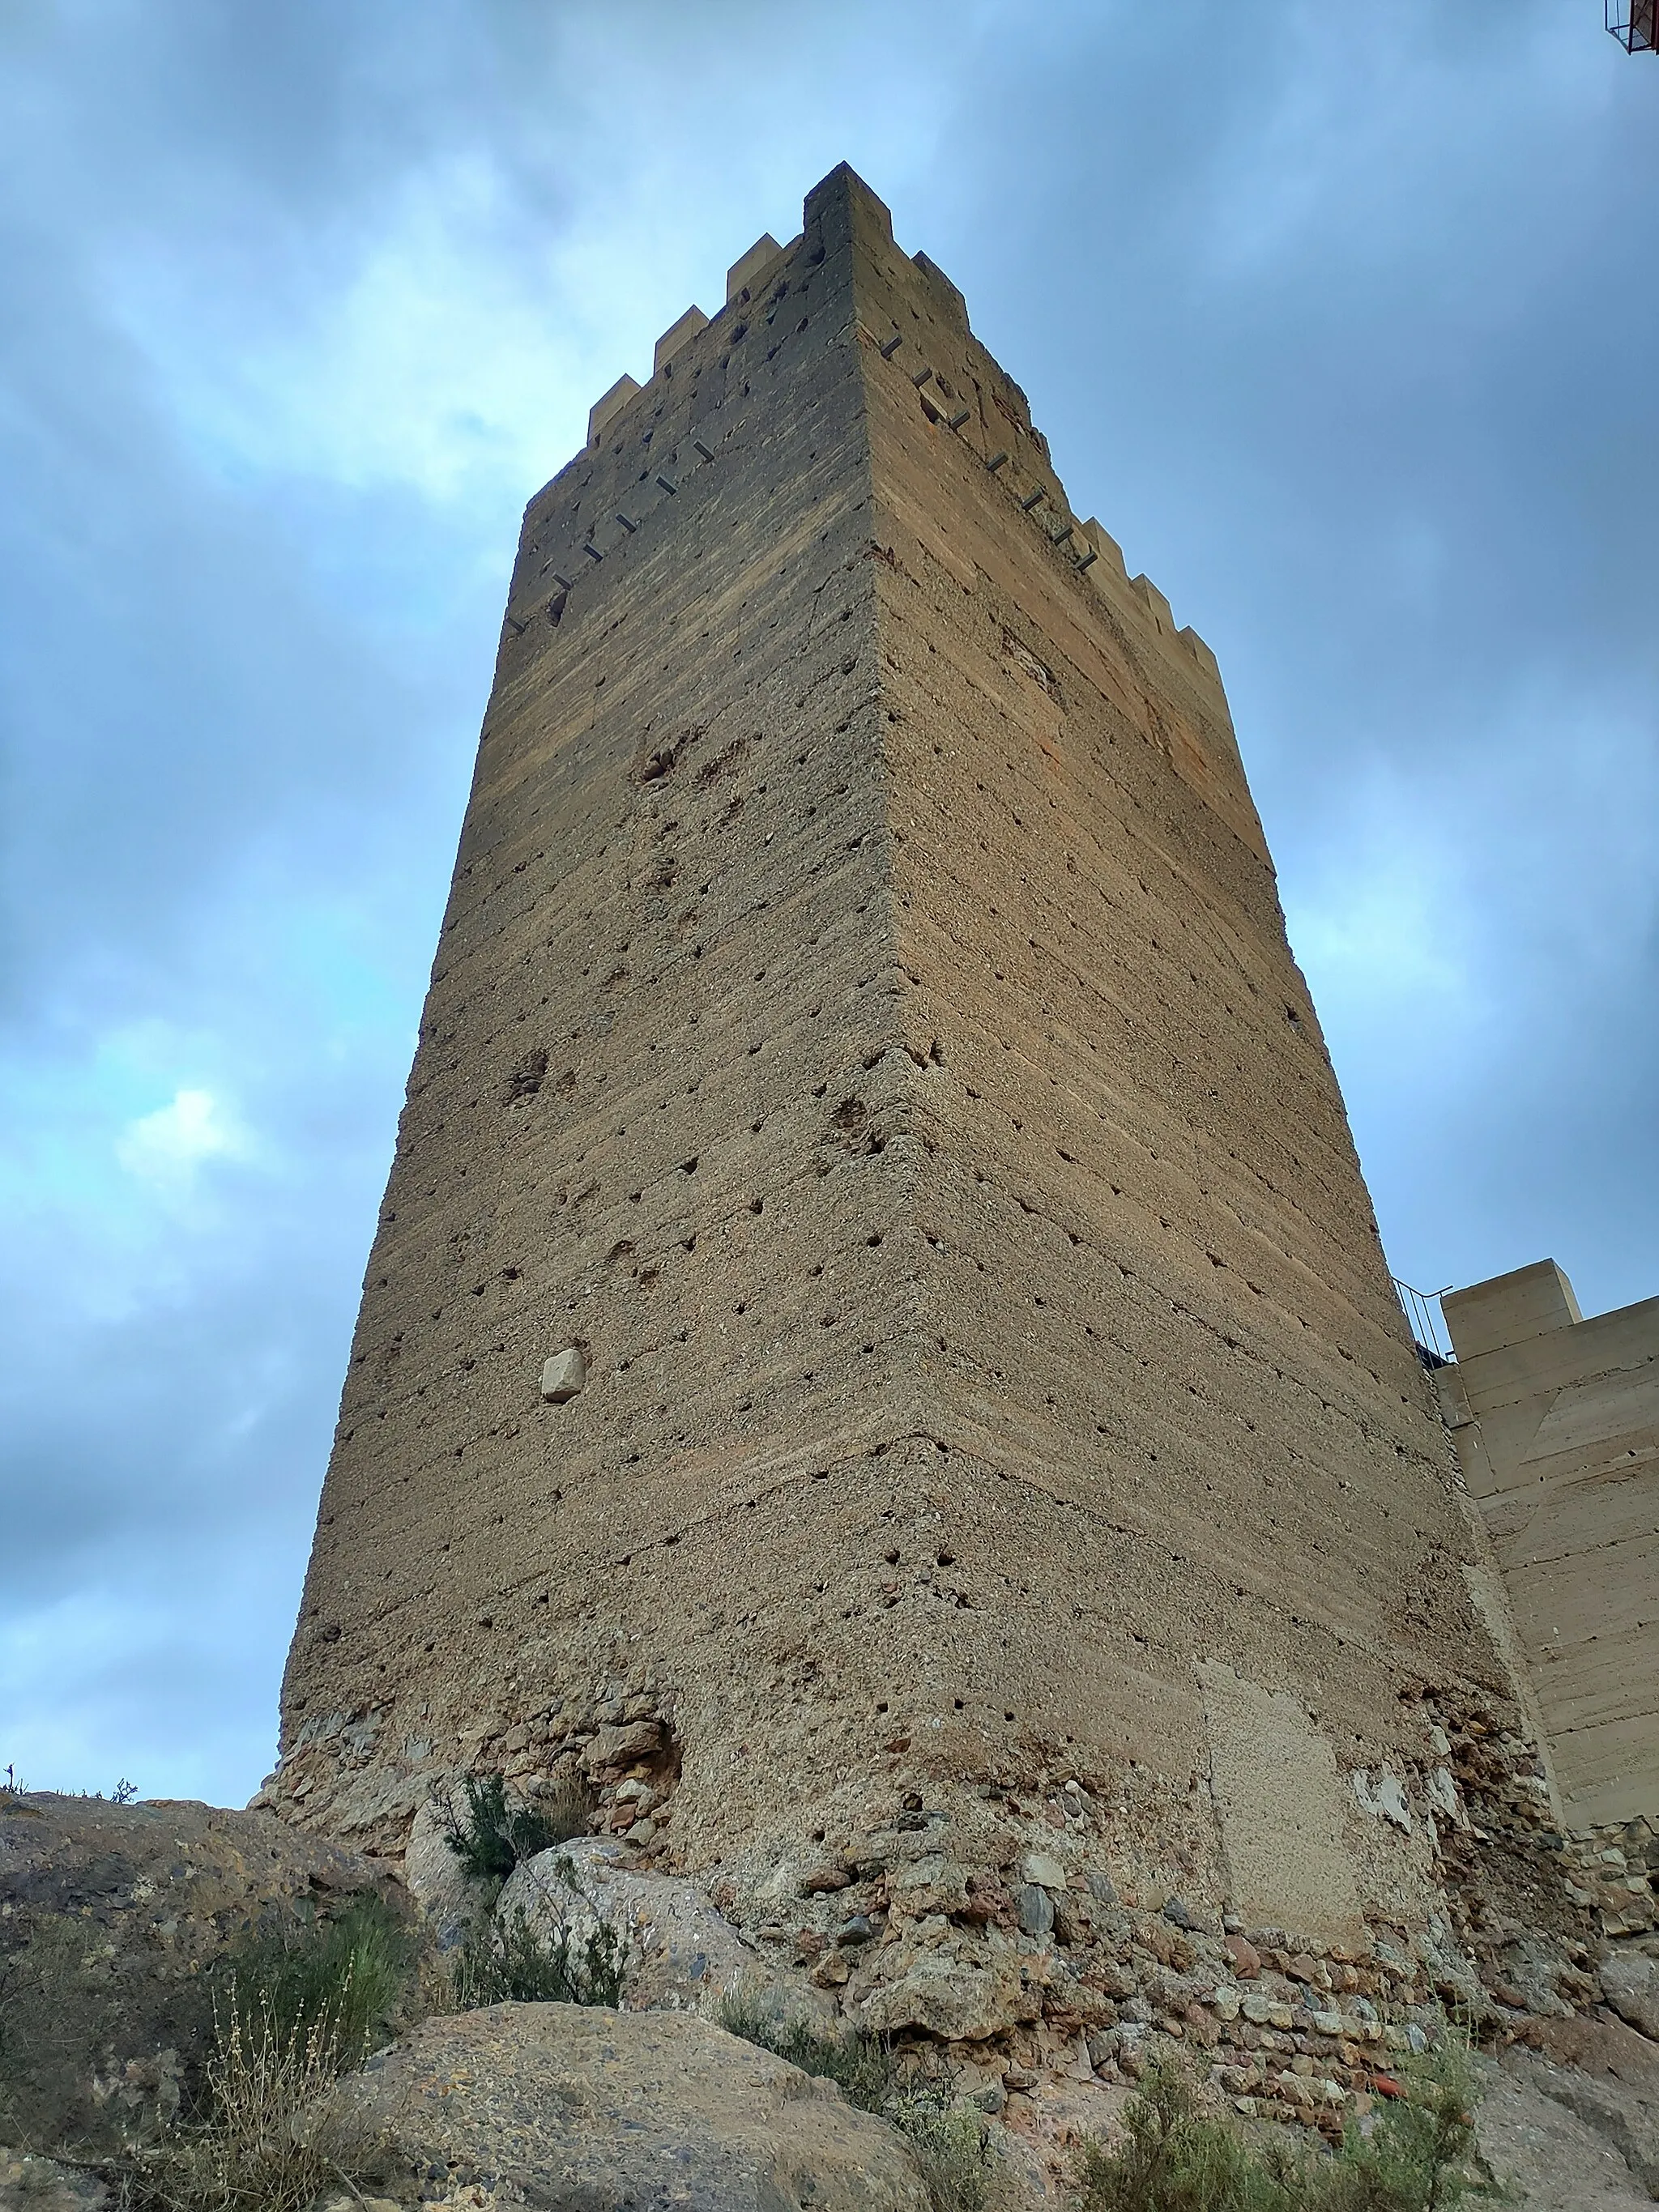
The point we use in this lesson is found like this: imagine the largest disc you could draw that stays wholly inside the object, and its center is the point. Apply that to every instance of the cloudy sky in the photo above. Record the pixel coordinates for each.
(1344, 320)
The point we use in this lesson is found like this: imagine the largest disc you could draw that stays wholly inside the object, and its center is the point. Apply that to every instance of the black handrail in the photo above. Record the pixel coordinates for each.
(1428, 1324)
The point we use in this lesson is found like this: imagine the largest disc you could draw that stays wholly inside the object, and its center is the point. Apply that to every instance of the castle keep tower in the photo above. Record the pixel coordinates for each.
(866, 1078)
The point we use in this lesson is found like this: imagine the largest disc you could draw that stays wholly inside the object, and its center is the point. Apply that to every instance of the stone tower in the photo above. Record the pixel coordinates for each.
(865, 1080)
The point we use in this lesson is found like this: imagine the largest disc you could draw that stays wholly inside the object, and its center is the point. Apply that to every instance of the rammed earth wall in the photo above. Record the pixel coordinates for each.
(864, 1030)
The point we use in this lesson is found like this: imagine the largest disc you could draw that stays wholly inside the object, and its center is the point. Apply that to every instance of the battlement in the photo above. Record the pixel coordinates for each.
(743, 280)
(1086, 544)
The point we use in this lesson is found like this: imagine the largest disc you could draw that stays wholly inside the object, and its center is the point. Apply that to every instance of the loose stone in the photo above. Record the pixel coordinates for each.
(1034, 1909)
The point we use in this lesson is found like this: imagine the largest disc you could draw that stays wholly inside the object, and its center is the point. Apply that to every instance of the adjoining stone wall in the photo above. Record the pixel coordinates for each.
(1557, 1425)
(877, 1327)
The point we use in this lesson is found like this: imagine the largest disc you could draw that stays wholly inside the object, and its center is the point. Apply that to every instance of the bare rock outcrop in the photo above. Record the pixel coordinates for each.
(679, 1953)
(579, 2109)
(112, 1917)
(1542, 2154)
(1607, 2075)
(1630, 1983)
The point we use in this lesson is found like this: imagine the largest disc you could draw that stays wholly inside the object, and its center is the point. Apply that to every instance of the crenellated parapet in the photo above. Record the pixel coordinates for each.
(745, 272)
(960, 395)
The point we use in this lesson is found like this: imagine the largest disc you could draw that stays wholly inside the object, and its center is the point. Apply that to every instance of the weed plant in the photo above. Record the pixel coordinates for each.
(949, 2138)
(1415, 2156)
(489, 1834)
(511, 1964)
(348, 1976)
(280, 2017)
(14, 1792)
(275, 2134)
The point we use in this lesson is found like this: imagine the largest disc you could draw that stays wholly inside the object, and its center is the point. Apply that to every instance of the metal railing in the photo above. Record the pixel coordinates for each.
(1428, 1324)
(1634, 23)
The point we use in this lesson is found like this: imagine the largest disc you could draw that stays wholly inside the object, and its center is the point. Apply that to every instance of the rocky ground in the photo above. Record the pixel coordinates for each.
(111, 1919)
(1560, 2140)
(582, 2107)
(122, 1911)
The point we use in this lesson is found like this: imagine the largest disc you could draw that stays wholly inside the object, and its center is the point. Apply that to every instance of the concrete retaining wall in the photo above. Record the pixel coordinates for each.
(1556, 1423)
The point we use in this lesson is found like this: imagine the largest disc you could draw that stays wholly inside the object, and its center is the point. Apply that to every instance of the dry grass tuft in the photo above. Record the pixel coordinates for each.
(275, 2134)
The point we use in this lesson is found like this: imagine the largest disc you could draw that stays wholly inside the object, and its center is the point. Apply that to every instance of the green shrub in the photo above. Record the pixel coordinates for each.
(1174, 2159)
(349, 1975)
(949, 2139)
(1413, 2157)
(1417, 2154)
(952, 2146)
(863, 2067)
(491, 1834)
(511, 1964)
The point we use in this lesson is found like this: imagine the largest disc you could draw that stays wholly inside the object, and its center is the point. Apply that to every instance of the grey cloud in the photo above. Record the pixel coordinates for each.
(1334, 325)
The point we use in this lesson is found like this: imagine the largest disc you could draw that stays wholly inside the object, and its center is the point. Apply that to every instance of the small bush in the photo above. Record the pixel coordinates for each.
(273, 2133)
(514, 1965)
(290, 2014)
(862, 2067)
(1413, 2157)
(348, 1976)
(490, 1834)
(952, 2146)
(949, 2139)
(1417, 2154)
(1174, 2159)
(81, 2028)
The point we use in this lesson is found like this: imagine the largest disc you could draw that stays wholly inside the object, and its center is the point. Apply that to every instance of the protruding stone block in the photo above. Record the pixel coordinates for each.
(740, 276)
(1509, 1308)
(1110, 552)
(604, 411)
(1156, 604)
(950, 297)
(677, 336)
(563, 1375)
(1035, 1908)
